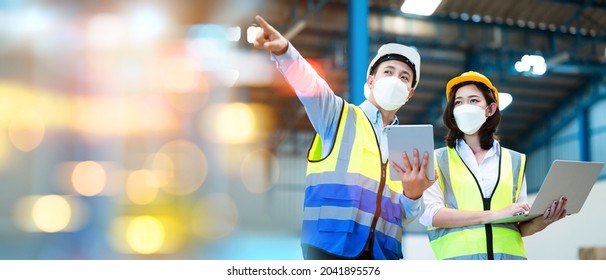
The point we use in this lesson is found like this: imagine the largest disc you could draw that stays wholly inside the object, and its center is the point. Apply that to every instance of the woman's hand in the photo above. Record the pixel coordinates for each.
(510, 210)
(554, 213)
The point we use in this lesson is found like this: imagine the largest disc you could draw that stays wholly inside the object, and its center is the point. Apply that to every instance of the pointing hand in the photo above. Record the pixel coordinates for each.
(269, 38)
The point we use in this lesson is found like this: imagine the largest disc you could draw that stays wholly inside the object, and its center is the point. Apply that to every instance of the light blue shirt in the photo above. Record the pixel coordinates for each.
(374, 115)
(323, 107)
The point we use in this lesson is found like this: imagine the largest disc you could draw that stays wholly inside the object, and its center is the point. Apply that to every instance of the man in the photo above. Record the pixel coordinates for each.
(352, 210)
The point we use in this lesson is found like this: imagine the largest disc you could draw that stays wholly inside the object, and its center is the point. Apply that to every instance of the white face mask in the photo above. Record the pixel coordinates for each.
(390, 93)
(469, 118)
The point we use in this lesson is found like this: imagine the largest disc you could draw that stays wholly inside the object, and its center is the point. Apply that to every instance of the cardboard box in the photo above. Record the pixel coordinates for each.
(592, 253)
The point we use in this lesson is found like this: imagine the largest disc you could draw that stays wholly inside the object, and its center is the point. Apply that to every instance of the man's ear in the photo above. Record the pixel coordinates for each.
(370, 81)
(411, 93)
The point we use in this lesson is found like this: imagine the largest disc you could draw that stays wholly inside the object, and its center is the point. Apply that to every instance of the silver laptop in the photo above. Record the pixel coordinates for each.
(573, 179)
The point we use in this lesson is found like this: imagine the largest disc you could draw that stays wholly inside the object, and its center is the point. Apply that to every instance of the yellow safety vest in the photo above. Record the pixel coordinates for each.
(462, 191)
(349, 196)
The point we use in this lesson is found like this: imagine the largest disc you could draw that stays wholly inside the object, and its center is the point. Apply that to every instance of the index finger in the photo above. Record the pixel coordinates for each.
(397, 168)
(264, 24)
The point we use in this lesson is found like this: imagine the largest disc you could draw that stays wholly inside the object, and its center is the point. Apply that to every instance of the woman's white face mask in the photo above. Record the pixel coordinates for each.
(390, 93)
(469, 118)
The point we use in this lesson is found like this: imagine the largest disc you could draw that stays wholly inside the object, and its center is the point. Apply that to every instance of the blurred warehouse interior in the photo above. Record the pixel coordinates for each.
(154, 130)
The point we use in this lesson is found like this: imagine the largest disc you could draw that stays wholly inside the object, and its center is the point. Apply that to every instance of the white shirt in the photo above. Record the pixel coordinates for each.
(486, 173)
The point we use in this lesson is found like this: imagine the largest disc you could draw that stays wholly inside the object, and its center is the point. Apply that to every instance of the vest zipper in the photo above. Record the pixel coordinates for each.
(375, 219)
(488, 229)
(486, 205)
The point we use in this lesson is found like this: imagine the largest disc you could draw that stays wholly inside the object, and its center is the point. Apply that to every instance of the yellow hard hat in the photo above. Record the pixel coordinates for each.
(471, 76)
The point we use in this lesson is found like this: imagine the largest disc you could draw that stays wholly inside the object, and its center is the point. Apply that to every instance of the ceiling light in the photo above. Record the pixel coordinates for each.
(535, 64)
(505, 100)
(539, 69)
(251, 33)
(233, 33)
(420, 7)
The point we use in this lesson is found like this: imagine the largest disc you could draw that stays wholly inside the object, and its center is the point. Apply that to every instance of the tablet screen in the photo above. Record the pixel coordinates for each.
(406, 138)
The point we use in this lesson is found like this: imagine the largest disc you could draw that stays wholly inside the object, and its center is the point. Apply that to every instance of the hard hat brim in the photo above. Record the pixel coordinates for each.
(409, 53)
(470, 78)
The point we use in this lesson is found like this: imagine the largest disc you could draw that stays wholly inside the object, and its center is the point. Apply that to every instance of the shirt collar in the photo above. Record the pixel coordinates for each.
(373, 114)
(495, 150)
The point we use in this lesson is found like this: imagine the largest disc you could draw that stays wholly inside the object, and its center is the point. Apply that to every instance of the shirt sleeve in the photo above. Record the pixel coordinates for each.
(433, 200)
(411, 208)
(523, 192)
(323, 107)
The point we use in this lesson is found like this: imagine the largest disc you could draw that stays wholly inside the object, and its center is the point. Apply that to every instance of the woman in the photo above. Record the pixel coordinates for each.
(479, 181)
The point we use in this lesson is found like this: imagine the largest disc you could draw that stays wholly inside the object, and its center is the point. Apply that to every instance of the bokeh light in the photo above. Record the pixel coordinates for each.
(36, 19)
(106, 31)
(142, 186)
(161, 165)
(93, 115)
(147, 22)
(259, 171)
(233, 33)
(65, 174)
(182, 166)
(214, 216)
(236, 123)
(251, 33)
(89, 178)
(145, 234)
(26, 130)
(49, 213)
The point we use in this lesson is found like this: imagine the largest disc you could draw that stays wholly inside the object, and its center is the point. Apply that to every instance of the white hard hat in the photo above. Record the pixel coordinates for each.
(408, 55)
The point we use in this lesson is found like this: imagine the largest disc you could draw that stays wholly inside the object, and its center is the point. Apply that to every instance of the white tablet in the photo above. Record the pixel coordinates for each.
(406, 138)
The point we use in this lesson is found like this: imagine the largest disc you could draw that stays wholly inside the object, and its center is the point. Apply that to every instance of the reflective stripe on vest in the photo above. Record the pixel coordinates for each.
(341, 196)
(473, 242)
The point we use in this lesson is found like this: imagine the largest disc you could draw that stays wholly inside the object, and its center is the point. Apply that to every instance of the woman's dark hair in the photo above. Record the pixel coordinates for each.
(488, 130)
